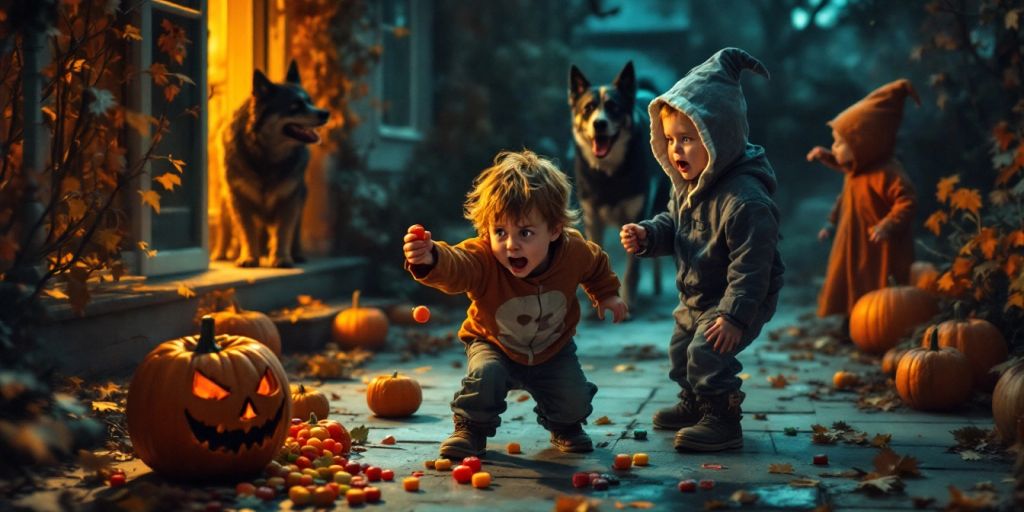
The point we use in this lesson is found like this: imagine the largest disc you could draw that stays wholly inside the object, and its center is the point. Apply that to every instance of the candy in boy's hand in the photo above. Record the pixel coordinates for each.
(419, 231)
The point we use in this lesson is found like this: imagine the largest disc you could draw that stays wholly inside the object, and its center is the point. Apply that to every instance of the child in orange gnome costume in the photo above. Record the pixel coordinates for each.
(871, 220)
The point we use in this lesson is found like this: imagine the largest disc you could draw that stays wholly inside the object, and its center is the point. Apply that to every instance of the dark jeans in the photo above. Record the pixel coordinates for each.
(562, 392)
(695, 364)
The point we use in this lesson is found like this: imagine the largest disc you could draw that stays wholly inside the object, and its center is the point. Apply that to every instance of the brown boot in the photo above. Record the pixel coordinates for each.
(684, 413)
(571, 440)
(719, 428)
(467, 440)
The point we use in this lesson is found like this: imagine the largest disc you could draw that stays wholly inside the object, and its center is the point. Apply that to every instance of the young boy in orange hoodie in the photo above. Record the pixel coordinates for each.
(870, 223)
(521, 275)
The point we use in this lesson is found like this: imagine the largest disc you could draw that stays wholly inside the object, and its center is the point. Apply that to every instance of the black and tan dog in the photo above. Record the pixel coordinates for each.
(263, 185)
(617, 178)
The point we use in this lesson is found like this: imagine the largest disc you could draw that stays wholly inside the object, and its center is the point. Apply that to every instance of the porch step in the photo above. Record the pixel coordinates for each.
(124, 322)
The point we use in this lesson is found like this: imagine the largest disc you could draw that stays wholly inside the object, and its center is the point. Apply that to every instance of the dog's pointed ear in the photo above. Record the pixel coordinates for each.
(260, 84)
(625, 82)
(578, 84)
(293, 72)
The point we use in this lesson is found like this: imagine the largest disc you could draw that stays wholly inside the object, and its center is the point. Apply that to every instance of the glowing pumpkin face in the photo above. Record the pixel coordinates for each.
(208, 407)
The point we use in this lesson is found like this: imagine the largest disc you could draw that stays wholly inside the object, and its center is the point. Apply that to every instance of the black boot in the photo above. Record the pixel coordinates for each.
(719, 429)
(685, 413)
(467, 440)
(571, 439)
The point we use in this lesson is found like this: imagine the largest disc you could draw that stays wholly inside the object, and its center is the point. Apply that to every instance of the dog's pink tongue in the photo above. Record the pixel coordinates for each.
(307, 135)
(601, 147)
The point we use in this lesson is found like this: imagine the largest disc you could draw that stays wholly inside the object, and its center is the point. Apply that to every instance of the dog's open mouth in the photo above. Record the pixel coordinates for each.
(301, 133)
(603, 144)
(518, 263)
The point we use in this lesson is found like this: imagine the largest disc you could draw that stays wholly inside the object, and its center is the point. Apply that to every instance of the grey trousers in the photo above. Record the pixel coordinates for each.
(695, 364)
(562, 392)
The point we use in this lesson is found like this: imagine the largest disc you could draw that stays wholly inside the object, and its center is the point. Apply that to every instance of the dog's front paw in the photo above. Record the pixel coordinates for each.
(247, 262)
(282, 263)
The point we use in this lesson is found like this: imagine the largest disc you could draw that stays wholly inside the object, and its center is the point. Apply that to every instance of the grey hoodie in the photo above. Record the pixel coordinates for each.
(724, 228)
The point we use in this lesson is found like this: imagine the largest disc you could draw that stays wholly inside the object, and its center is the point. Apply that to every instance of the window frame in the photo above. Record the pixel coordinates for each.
(419, 71)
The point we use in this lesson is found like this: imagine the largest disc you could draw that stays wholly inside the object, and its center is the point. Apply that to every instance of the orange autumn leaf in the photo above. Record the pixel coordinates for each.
(935, 222)
(151, 198)
(1015, 238)
(185, 291)
(987, 240)
(168, 180)
(171, 91)
(1002, 135)
(1012, 265)
(962, 266)
(946, 282)
(945, 187)
(159, 73)
(1015, 300)
(966, 199)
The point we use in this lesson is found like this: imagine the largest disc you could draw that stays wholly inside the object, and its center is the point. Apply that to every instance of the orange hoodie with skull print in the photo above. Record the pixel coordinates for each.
(876, 193)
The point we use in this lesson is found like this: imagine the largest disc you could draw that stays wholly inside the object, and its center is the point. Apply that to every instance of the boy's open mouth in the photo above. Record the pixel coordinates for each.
(682, 166)
(603, 144)
(517, 263)
(301, 134)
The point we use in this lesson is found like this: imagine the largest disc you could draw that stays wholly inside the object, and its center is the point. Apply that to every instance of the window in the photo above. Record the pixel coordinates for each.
(403, 78)
(179, 231)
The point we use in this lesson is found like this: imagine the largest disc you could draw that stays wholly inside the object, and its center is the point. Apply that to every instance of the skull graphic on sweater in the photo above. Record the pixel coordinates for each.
(531, 323)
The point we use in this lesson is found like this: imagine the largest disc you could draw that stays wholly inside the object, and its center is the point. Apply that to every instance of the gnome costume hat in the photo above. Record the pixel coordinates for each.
(869, 126)
(711, 96)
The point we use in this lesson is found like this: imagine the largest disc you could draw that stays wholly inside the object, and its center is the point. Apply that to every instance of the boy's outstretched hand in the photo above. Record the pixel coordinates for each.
(616, 305)
(418, 246)
(823, 155)
(632, 236)
(724, 334)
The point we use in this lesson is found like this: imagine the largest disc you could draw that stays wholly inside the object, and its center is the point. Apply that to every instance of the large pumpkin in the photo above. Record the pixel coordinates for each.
(977, 339)
(882, 317)
(309, 400)
(360, 327)
(208, 407)
(393, 396)
(933, 378)
(1008, 403)
(251, 324)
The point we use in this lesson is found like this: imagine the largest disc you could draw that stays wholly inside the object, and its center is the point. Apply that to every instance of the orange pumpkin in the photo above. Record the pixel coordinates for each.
(845, 380)
(251, 324)
(934, 378)
(309, 400)
(360, 327)
(393, 396)
(1008, 403)
(925, 276)
(208, 407)
(882, 317)
(977, 339)
(891, 360)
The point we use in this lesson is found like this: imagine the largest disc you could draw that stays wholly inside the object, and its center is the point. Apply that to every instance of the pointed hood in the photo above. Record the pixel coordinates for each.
(711, 96)
(870, 125)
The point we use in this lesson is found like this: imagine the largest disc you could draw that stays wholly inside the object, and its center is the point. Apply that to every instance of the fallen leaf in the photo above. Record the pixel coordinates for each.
(713, 465)
(984, 500)
(576, 504)
(625, 367)
(881, 440)
(760, 416)
(970, 455)
(185, 291)
(106, 407)
(778, 381)
(781, 469)
(744, 497)
(359, 434)
(716, 505)
(888, 462)
(603, 420)
(882, 485)
(804, 482)
(790, 431)
(107, 389)
(421, 370)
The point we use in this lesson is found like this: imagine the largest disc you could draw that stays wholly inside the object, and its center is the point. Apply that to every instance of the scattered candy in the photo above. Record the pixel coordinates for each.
(419, 231)
(372, 494)
(388, 440)
(640, 459)
(421, 314)
(355, 497)
(640, 435)
(373, 474)
(117, 480)
(612, 479)
(513, 448)
(442, 464)
(688, 485)
(429, 464)
(821, 459)
(300, 496)
(342, 477)
(265, 493)
(411, 484)
(706, 484)
(472, 462)
(462, 474)
(417, 473)
(622, 461)
(580, 480)
(600, 484)
(323, 496)
(481, 480)
(387, 475)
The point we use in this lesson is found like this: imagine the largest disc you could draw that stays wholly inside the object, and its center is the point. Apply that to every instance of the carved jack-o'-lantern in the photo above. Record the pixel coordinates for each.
(532, 318)
(208, 406)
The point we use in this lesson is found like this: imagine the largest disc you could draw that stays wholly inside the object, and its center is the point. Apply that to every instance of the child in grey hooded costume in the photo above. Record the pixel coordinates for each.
(722, 228)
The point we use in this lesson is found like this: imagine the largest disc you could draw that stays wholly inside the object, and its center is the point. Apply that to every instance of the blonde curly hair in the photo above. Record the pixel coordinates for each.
(517, 184)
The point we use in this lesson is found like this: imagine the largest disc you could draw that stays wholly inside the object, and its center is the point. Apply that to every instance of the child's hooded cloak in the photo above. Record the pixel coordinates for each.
(722, 228)
(875, 190)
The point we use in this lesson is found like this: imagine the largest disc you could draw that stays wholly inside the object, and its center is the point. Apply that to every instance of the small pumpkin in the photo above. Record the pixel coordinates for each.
(924, 275)
(843, 379)
(1008, 403)
(251, 324)
(394, 396)
(934, 378)
(977, 339)
(208, 406)
(891, 359)
(309, 400)
(882, 317)
(360, 327)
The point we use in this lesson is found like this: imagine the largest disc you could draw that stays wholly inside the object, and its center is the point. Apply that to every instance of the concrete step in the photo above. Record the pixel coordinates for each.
(124, 321)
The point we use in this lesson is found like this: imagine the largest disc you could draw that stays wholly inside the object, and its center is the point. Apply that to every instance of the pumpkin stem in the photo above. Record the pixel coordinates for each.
(302, 389)
(933, 337)
(355, 299)
(394, 375)
(892, 280)
(235, 308)
(312, 418)
(959, 311)
(207, 337)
